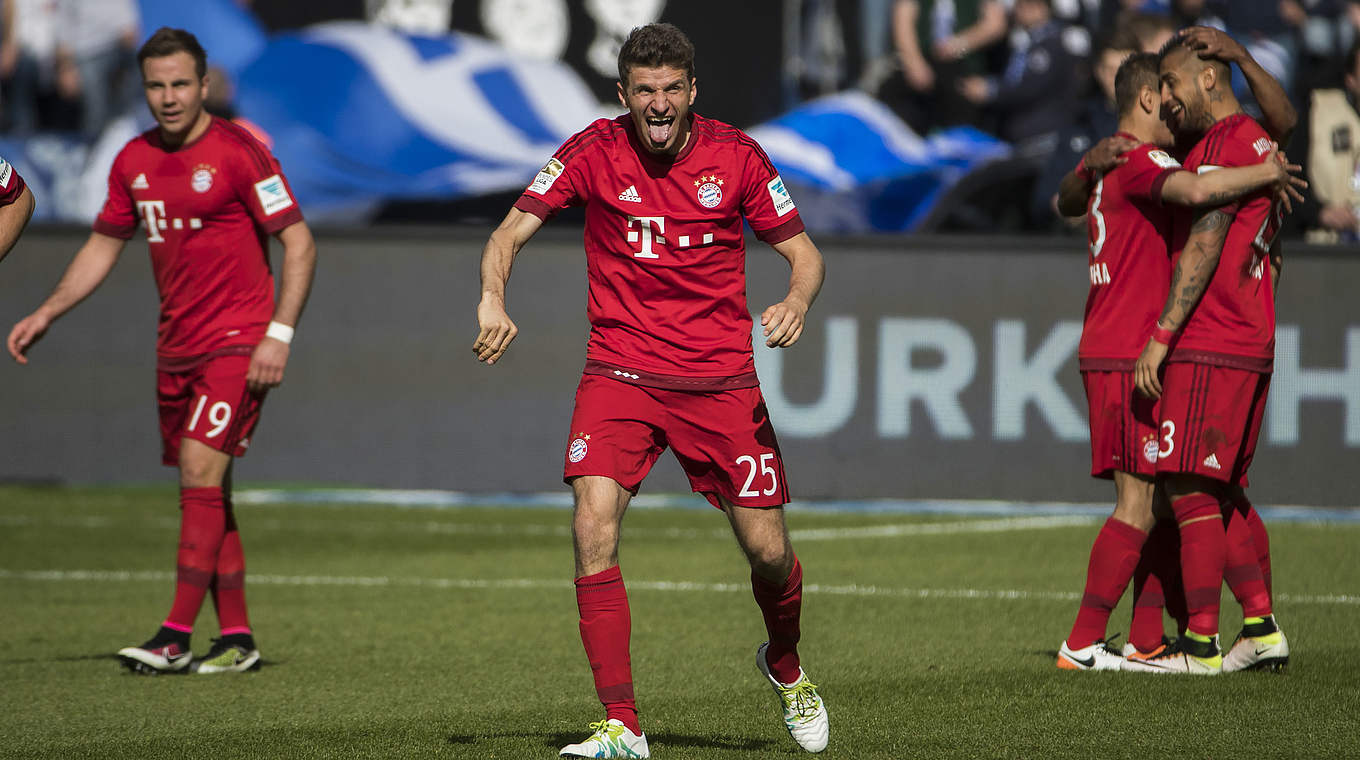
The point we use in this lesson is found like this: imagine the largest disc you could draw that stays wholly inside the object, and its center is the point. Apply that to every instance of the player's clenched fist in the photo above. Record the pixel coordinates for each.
(29, 331)
(496, 331)
(783, 323)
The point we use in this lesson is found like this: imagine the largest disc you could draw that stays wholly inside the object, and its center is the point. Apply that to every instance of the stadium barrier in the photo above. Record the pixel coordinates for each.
(931, 367)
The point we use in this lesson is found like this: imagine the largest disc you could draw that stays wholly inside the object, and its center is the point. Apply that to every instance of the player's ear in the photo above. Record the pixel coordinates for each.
(693, 89)
(1150, 99)
(1208, 78)
(622, 100)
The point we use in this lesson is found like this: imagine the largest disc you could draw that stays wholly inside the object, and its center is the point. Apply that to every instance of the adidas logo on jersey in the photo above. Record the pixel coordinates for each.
(140, 183)
(630, 195)
(1211, 462)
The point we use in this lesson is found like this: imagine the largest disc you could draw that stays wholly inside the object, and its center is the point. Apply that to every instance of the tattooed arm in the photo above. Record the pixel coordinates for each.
(1191, 278)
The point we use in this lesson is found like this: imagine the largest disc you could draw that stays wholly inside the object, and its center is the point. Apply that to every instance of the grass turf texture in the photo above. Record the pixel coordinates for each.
(380, 640)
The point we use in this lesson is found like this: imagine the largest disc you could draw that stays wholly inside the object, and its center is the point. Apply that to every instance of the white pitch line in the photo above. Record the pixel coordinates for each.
(941, 529)
(381, 581)
(369, 527)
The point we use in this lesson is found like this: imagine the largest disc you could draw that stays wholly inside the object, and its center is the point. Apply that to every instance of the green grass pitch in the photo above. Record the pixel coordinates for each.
(422, 633)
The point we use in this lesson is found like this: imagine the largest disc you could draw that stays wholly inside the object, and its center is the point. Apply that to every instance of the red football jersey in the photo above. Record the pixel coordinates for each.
(1234, 323)
(208, 208)
(1129, 235)
(665, 251)
(11, 184)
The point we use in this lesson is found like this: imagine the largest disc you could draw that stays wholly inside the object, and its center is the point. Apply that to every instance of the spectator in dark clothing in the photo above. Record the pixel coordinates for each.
(1032, 99)
(1098, 119)
(937, 42)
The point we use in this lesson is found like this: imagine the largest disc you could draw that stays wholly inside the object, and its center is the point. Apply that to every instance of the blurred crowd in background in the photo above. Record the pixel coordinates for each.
(1037, 74)
(1040, 73)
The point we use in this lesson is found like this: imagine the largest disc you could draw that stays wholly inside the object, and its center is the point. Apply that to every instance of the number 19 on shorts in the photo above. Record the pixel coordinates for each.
(756, 477)
(219, 416)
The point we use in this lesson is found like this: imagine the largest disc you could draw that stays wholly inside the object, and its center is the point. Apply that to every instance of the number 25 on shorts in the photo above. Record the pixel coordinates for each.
(765, 471)
(219, 416)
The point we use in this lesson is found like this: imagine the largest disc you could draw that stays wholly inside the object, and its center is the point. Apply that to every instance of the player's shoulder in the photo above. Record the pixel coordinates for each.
(723, 138)
(1235, 140)
(603, 134)
(233, 137)
(722, 133)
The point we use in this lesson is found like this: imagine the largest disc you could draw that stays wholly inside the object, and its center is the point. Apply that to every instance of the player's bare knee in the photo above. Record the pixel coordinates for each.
(1134, 497)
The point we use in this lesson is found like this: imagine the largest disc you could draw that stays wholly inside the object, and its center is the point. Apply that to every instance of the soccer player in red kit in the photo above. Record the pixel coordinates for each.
(208, 195)
(1216, 337)
(16, 206)
(669, 360)
(1129, 258)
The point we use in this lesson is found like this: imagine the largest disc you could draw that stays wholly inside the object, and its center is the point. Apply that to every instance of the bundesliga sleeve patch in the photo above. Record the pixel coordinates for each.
(273, 195)
(779, 195)
(1163, 159)
(547, 176)
(6, 173)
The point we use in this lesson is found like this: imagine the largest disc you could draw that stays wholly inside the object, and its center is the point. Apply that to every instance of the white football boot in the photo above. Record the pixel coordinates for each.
(804, 712)
(1260, 646)
(611, 739)
(1097, 656)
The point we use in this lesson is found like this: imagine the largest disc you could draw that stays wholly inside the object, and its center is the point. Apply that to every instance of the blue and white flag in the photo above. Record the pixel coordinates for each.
(854, 166)
(360, 114)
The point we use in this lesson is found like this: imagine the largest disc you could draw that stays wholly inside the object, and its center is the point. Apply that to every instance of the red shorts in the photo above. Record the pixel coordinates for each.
(1123, 425)
(208, 403)
(1211, 418)
(723, 439)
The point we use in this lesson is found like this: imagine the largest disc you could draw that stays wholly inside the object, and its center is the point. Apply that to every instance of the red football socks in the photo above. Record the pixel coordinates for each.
(202, 523)
(1204, 552)
(780, 605)
(1114, 555)
(229, 584)
(606, 626)
(1157, 586)
(1259, 538)
(1243, 569)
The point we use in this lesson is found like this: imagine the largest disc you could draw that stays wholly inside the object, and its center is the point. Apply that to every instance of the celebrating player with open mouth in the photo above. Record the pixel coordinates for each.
(208, 194)
(669, 361)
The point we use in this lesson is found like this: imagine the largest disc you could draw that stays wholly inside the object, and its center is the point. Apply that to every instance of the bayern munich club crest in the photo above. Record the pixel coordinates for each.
(202, 178)
(577, 450)
(710, 191)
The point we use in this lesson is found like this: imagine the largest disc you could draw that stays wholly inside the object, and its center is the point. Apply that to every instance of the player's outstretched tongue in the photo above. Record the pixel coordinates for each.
(660, 131)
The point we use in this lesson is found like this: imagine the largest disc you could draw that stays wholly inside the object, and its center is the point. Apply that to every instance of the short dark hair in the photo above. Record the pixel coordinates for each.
(656, 45)
(1136, 72)
(1178, 43)
(167, 41)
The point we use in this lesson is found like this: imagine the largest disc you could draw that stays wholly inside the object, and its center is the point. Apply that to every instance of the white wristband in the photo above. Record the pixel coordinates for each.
(280, 332)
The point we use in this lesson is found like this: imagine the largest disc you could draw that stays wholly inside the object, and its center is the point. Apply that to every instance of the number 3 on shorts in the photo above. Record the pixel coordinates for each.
(1168, 434)
(765, 469)
(219, 416)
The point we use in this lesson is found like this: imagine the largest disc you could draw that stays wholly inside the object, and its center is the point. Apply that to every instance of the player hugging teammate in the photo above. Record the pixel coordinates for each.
(1184, 263)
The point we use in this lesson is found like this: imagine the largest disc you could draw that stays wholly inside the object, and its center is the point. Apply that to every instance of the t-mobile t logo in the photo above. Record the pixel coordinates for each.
(645, 223)
(153, 213)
